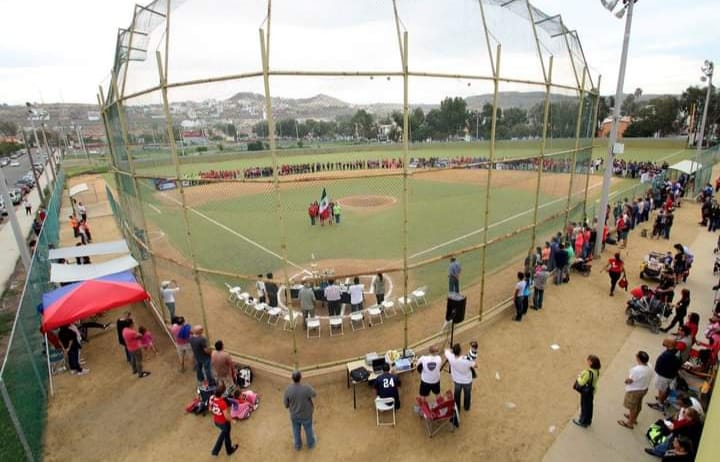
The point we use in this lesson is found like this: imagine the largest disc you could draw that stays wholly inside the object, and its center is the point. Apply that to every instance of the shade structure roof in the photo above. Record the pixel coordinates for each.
(87, 298)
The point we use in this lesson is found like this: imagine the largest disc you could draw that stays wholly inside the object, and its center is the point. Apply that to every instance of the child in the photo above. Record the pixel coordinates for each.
(147, 340)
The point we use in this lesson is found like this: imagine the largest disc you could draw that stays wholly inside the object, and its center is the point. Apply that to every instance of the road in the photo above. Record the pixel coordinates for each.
(12, 174)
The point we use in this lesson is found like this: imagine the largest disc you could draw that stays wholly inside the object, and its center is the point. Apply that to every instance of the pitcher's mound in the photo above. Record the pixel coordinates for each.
(367, 202)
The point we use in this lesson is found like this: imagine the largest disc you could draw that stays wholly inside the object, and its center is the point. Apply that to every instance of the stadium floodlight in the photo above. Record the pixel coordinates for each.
(604, 198)
(707, 69)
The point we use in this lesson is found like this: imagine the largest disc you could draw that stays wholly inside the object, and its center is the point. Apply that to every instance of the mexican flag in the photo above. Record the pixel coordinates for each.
(324, 203)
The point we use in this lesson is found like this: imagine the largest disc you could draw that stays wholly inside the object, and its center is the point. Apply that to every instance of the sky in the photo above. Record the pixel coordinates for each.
(61, 51)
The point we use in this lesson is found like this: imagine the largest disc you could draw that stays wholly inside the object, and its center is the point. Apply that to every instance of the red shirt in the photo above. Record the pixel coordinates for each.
(132, 339)
(616, 266)
(217, 408)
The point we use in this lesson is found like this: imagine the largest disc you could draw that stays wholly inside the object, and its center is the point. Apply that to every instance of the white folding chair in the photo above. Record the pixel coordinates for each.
(313, 324)
(260, 310)
(290, 318)
(420, 295)
(406, 304)
(233, 293)
(383, 405)
(374, 312)
(242, 300)
(389, 308)
(357, 317)
(274, 315)
(335, 324)
(249, 308)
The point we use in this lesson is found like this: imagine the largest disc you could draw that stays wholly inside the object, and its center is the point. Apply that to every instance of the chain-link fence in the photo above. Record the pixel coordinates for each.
(24, 374)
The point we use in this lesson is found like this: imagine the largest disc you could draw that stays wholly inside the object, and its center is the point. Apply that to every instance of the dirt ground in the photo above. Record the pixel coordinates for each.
(367, 203)
(521, 399)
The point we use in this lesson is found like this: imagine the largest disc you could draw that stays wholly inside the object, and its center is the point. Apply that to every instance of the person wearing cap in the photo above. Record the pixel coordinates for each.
(298, 400)
(539, 280)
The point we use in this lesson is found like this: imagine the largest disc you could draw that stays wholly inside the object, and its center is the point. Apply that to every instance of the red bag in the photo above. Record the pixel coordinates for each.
(192, 405)
(623, 283)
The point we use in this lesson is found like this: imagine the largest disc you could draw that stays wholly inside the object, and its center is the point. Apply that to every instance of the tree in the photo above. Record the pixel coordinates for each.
(364, 124)
(453, 116)
(604, 105)
(631, 105)
(695, 97)
(8, 128)
(261, 129)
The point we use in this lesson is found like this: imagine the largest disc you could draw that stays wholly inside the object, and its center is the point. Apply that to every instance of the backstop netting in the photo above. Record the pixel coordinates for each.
(463, 130)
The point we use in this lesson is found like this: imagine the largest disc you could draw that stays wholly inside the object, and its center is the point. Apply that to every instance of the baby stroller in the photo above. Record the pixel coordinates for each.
(582, 266)
(647, 309)
(653, 265)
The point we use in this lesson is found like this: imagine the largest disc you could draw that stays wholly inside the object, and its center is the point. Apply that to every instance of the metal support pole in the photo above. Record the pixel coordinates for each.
(593, 130)
(34, 170)
(488, 186)
(19, 238)
(50, 154)
(700, 139)
(543, 145)
(181, 188)
(16, 422)
(578, 126)
(265, 52)
(602, 215)
(39, 148)
(406, 194)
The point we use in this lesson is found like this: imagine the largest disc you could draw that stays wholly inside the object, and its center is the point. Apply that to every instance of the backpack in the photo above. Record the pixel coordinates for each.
(184, 332)
(359, 374)
(243, 375)
(657, 433)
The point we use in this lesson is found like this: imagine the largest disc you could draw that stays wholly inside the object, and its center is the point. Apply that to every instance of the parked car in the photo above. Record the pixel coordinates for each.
(23, 185)
(14, 163)
(4, 162)
(15, 195)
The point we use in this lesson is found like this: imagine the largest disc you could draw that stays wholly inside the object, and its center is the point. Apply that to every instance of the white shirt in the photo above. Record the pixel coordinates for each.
(460, 367)
(520, 287)
(430, 368)
(82, 209)
(260, 288)
(356, 294)
(640, 376)
(168, 294)
(332, 293)
(695, 405)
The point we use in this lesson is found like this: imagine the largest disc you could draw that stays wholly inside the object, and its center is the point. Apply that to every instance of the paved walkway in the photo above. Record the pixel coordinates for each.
(8, 247)
(605, 440)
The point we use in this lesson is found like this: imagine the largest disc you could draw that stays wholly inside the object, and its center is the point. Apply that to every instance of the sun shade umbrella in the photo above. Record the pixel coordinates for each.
(87, 298)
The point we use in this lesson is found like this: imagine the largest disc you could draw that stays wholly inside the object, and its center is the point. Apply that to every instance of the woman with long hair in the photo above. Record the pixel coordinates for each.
(586, 385)
(378, 285)
(681, 308)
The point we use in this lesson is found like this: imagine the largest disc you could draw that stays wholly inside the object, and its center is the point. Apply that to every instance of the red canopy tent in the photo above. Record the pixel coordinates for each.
(88, 298)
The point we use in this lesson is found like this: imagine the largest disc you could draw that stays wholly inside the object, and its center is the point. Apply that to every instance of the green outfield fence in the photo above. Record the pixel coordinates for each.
(24, 374)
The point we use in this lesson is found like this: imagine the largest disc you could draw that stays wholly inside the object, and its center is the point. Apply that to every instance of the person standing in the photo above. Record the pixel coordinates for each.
(454, 271)
(518, 296)
(586, 385)
(615, 269)
(356, 295)
(337, 210)
(28, 206)
(561, 264)
(201, 352)
(121, 324)
(221, 418)
(681, 308)
(332, 296)
(429, 368)
(71, 347)
(298, 400)
(461, 372)
(168, 290)
(540, 279)
(386, 386)
(74, 224)
(271, 289)
(636, 386)
(181, 335)
(312, 213)
(260, 289)
(667, 366)
(307, 301)
(222, 365)
(82, 210)
(133, 343)
(378, 285)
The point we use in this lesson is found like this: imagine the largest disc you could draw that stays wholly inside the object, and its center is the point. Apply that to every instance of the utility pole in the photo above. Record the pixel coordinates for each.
(51, 155)
(32, 166)
(607, 178)
(707, 70)
(19, 239)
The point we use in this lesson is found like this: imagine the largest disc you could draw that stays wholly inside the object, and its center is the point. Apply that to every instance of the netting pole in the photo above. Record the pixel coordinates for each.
(264, 51)
(491, 166)
(136, 190)
(565, 33)
(181, 188)
(120, 96)
(406, 149)
(541, 162)
(16, 422)
(578, 126)
(487, 38)
(593, 129)
(537, 41)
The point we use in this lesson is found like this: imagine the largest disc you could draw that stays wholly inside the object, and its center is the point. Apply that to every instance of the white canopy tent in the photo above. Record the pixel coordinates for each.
(686, 166)
(72, 273)
(78, 188)
(102, 248)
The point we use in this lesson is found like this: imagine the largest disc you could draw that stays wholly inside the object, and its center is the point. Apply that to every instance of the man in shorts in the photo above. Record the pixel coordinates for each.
(667, 366)
(181, 334)
(429, 368)
(636, 386)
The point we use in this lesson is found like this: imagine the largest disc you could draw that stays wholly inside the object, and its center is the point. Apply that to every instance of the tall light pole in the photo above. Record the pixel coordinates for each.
(31, 115)
(707, 70)
(627, 7)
